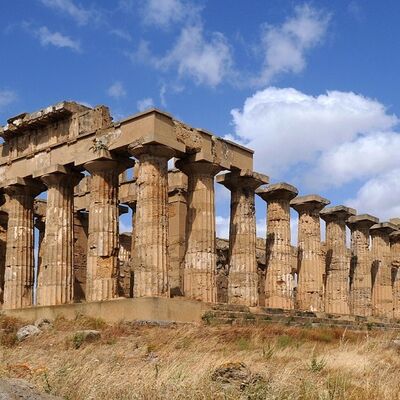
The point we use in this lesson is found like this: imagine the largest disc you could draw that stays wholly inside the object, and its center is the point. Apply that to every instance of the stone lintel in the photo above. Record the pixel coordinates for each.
(243, 178)
(337, 213)
(383, 227)
(275, 191)
(188, 166)
(309, 202)
(362, 220)
(25, 121)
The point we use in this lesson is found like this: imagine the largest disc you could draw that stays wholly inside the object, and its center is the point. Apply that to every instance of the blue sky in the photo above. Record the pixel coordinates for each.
(312, 86)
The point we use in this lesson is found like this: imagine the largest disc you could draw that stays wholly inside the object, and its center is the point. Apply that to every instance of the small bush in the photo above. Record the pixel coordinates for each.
(317, 365)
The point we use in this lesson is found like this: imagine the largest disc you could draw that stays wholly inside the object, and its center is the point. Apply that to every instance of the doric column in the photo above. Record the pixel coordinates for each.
(55, 281)
(337, 262)
(201, 255)
(360, 272)
(18, 285)
(395, 258)
(382, 295)
(81, 233)
(279, 278)
(150, 258)
(3, 242)
(177, 209)
(310, 261)
(243, 276)
(103, 235)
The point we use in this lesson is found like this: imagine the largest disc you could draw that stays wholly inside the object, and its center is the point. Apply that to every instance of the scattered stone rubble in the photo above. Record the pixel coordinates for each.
(93, 170)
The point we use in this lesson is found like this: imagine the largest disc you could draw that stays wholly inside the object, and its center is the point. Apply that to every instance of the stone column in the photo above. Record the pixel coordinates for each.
(337, 262)
(150, 258)
(395, 257)
(3, 242)
(243, 276)
(279, 279)
(18, 277)
(103, 235)
(201, 254)
(360, 272)
(310, 261)
(55, 281)
(177, 209)
(382, 295)
(81, 233)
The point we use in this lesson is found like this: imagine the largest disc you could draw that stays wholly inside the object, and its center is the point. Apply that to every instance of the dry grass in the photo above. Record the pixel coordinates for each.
(177, 362)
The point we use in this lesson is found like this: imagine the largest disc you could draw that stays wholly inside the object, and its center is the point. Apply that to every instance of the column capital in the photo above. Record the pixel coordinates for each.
(198, 167)
(27, 186)
(361, 221)
(337, 213)
(309, 203)
(395, 221)
(242, 179)
(383, 228)
(278, 191)
(54, 175)
(394, 237)
(153, 149)
(105, 164)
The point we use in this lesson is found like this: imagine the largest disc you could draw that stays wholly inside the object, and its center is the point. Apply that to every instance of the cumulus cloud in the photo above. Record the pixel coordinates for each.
(145, 104)
(222, 227)
(301, 128)
(206, 60)
(56, 39)
(379, 195)
(6, 98)
(81, 15)
(116, 90)
(285, 46)
(324, 142)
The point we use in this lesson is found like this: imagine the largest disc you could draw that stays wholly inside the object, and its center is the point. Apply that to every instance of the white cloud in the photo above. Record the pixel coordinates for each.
(222, 227)
(164, 13)
(326, 141)
(300, 127)
(56, 39)
(116, 90)
(6, 98)
(145, 104)
(81, 15)
(196, 57)
(359, 159)
(285, 46)
(379, 196)
(121, 34)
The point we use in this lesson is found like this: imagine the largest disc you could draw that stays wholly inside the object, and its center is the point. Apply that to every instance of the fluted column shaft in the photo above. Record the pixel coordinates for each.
(3, 242)
(279, 278)
(395, 258)
(243, 275)
(311, 266)
(337, 286)
(55, 281)
(18, 277)
(103, 235)
(382, 295)
(201, 255)
(150, 258)
(361, 284)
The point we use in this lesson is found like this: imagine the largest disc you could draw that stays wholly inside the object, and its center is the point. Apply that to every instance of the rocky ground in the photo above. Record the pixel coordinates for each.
(88, 359)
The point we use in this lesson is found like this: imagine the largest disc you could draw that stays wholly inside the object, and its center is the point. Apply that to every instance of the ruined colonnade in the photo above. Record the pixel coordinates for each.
(78, 158)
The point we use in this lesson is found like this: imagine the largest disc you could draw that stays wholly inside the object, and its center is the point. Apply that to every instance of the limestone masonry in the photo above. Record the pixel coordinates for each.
(68, 172)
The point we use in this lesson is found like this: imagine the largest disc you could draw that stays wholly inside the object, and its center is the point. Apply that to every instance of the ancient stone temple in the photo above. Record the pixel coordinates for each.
(68, 172)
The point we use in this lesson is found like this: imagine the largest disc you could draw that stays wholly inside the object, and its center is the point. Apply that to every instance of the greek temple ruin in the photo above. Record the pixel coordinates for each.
(68, 172)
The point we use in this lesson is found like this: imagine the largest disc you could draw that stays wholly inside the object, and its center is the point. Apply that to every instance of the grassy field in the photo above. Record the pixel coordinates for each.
(132, 361)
